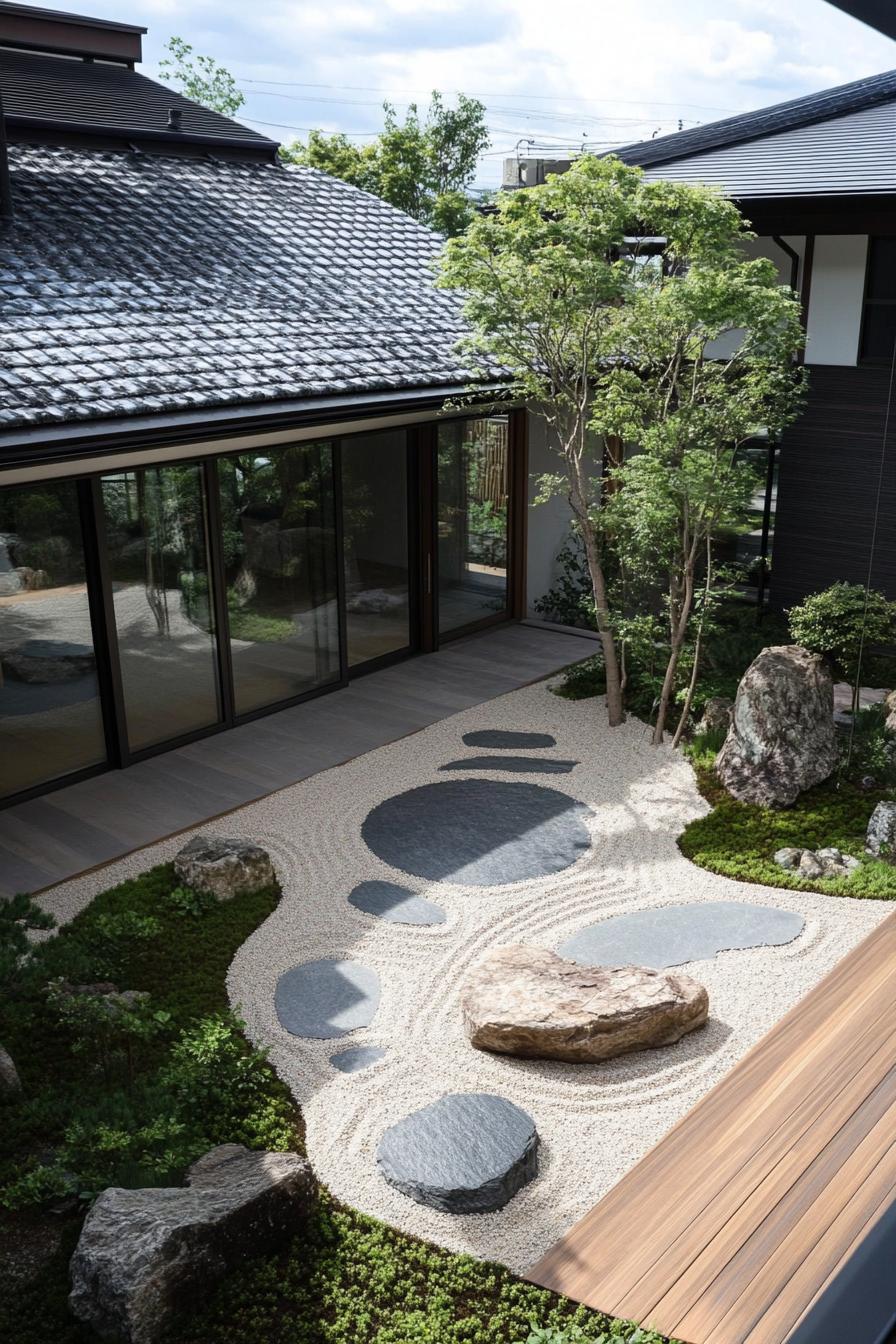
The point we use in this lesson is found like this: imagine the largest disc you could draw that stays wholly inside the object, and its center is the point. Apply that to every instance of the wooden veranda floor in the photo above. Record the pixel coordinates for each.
(735, 1226)
(83, 825)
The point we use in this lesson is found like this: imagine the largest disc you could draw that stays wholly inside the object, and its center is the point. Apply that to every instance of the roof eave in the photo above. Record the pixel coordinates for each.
(43, 444)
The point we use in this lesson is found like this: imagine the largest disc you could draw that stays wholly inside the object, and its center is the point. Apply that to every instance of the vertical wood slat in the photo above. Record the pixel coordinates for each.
(732, 1226)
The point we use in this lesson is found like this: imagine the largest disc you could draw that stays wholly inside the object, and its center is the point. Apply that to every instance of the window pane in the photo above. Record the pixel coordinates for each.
(882, 269)
(375, 528)
(472, 520)
(279, 536)
(158, 561)
(879, 333)
(50, 719)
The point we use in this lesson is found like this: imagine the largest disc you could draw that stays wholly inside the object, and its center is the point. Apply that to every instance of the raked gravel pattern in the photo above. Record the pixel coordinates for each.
(594, 1122)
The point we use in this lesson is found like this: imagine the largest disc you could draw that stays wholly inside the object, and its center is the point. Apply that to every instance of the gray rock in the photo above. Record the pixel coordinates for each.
(479, 832)
(145, 1257)
(508, 739)
(10, 1082)
(357, 1058)
(224, 868)
(326, 999)
(671, 935)
(517, 765)
(830, 854)
(394, 903)
(782, 738)
(880, 838)
(788, 858)
(527, 1001)
(45, 661)
(810, 865)
(716, 717)
(850, 863)
(467, 1153)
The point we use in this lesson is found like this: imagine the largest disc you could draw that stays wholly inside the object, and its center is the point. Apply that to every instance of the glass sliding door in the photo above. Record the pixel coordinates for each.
(50, 718)
(375, 544)
(278, 521)
(471, 520)
(157, 556)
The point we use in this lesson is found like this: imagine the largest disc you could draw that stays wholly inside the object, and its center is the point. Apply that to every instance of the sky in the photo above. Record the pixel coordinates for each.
(559, 73)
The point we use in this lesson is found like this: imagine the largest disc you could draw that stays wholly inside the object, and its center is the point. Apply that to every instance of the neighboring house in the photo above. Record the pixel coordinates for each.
(223, 487)
(816, 177)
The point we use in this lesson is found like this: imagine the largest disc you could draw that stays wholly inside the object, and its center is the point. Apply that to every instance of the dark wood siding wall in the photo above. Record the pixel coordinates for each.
(830, 466)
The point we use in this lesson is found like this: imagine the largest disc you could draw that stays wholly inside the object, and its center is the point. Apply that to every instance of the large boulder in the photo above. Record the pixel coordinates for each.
(223, 868)
(528, 1001)
(146, 1256)
(10, 1083)
(716, 717)
(880, 839)
(782, 738)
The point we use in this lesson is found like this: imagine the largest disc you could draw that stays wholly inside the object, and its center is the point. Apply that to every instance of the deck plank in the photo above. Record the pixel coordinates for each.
(733, 1225)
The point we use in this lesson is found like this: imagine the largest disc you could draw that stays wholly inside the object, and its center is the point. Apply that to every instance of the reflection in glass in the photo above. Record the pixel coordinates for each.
(472, 520)
(50, 719)
(158, 564)
(375, 513)
(279, 538)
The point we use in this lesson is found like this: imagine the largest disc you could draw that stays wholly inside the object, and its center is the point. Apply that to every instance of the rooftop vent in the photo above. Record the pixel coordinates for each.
(50, 30)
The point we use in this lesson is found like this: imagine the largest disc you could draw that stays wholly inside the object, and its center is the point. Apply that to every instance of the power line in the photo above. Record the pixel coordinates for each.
(529, 97)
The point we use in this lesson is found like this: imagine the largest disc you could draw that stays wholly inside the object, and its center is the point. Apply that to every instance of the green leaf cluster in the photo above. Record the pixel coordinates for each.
(200, 78)
(842, 623)
(422, 165)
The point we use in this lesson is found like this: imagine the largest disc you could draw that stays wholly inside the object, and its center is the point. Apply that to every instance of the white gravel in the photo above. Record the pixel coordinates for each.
(595, 1122)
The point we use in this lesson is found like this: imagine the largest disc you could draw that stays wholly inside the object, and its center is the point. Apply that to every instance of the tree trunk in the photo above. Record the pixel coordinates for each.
(678, 634)
(615, 705)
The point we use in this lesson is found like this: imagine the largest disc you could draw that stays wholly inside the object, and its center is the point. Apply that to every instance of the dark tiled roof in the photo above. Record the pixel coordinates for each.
(766, 121)
(845, 156)
(56, 91)
(139, 283)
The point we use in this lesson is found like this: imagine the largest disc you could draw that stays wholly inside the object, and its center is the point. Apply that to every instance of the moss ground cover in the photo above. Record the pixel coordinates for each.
(739, 840)
(181, 1080)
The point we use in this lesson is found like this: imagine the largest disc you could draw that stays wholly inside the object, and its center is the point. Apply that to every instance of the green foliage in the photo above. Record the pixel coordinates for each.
(870, 750)
(421, 165)
(186, 901)
(18, 916)
(224, 1089)
(615, 345)
(200, 78)
(841, 623)
(116, 941)
(352, 1280)
(739, 840)
(571, 599)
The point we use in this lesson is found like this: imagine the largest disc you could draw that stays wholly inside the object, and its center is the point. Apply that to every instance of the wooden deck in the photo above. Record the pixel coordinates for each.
(83, 825)
(735, 1226)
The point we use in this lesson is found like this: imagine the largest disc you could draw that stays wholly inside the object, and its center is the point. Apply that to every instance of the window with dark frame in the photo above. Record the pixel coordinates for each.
(879, 317)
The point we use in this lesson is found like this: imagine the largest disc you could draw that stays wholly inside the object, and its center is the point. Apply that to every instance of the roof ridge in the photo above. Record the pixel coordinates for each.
(765, 121)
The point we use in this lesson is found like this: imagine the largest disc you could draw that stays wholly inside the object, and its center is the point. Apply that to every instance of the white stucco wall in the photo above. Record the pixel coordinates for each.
(835, 299)
(548, 524)
(763, 247)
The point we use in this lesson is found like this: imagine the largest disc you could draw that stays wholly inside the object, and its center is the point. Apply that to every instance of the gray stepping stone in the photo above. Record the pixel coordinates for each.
(326, 999)
(392, 902)
(479, 832)
(517, 765)
(674, 934)
(357, 1057)
(467, 1153)
(501, 737)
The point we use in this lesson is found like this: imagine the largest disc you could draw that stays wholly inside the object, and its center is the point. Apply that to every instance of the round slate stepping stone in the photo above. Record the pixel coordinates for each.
(479, 832)
(394, 903)
(518, 765)
(502, 737)
(326, 999)
(674, 934)
(469, 1152)
(357, 1057)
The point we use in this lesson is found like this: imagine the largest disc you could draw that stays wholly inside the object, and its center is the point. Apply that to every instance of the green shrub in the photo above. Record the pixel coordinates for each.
(570, 601)
(186, 901)
(223, 1089)
(739, 840)
(18, 916)
(841, 623)
(869, 751)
